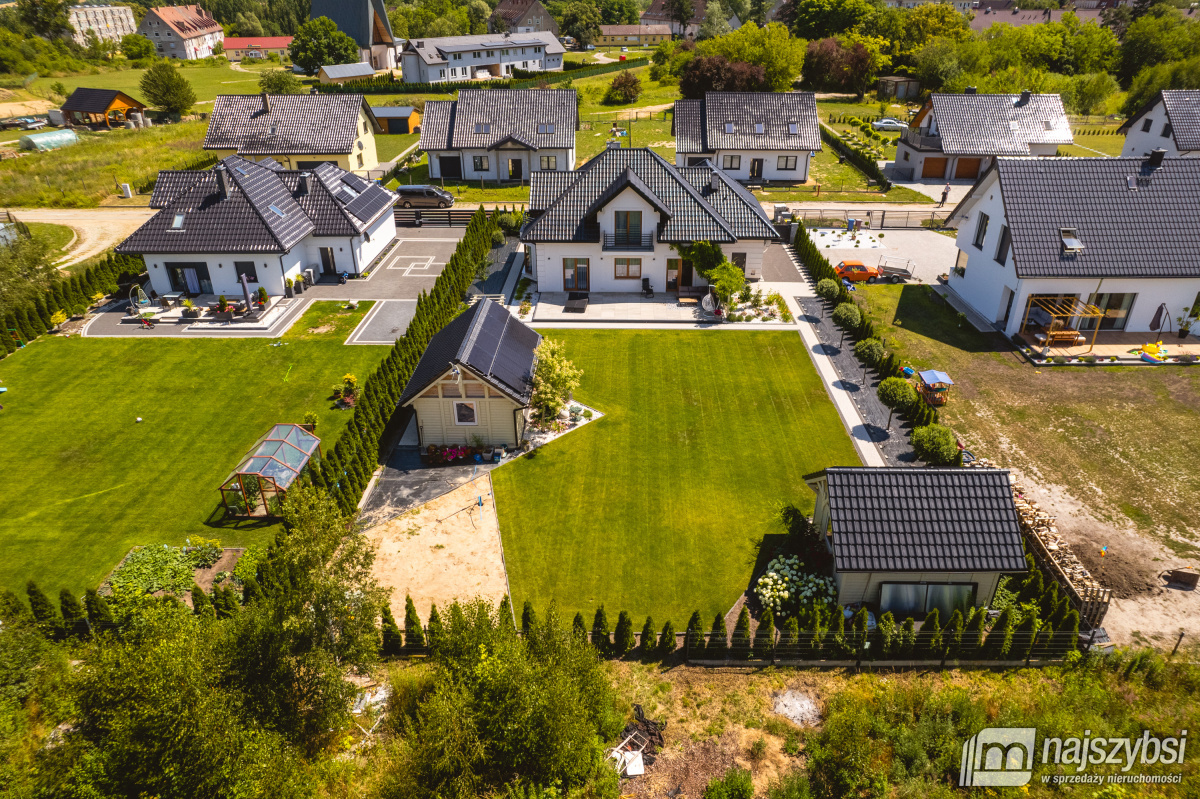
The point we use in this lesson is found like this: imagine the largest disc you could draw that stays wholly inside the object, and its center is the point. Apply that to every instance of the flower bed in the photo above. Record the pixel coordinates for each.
(785, 587)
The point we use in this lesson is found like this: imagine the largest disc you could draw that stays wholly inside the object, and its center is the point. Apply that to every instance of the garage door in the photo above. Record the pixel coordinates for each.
(967, 168)
(397, 126)
(451, 166)
(934, 168)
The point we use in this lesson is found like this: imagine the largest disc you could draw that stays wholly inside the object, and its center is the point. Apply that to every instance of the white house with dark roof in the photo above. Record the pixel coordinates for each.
(755, 137)
(300, 131)
(260, 220)
(1170, 121)
(480, 57)
(366, 22)
(612, 223)
(187, 31)
(907, 541)
(1120, 234)
(500, 134)
(474, 380)
(957, 136)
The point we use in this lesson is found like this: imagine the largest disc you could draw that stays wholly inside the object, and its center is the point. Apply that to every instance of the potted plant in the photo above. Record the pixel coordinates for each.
(190, 310)
(287, 289)
(1185, 324)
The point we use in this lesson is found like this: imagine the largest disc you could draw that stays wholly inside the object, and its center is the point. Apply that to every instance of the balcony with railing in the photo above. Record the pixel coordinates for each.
(914, 138)
(629, 241)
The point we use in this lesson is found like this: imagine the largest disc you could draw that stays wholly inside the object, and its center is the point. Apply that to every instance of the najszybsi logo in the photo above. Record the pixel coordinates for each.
(1004, 756)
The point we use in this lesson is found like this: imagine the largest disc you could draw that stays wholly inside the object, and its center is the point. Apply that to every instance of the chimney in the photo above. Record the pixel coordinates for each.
(969, 90)
(302, 187)
(1156, 158)
(714, 181)
(222, 180)
(266, 98)
(1026, 96)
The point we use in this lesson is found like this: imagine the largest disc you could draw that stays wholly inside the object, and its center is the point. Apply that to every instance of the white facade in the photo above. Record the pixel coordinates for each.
(109, 23)
(169, 44)
(490, 415)
(784, 166)
(497, 164)
(1153, 132)
(622, 270)
(995, 291)
(492, 58)
(349, 254)
(379, 56)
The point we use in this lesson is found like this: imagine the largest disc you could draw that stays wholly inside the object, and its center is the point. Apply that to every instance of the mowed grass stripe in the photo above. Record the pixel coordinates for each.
(84, 481)
(661, 507)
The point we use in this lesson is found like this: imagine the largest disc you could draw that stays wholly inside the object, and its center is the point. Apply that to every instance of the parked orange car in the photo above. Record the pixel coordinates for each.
(858, 272)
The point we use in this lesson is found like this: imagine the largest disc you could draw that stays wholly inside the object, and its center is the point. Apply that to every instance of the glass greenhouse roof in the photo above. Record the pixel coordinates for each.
(281, 454)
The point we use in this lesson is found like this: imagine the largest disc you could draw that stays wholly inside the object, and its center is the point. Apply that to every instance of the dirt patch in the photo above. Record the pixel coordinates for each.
(443, 550)
(798, 708)
(24, 108)
(229, 558)
(319, 329)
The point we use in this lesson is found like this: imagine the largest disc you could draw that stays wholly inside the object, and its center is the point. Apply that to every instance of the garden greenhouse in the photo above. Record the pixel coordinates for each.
(260, 482)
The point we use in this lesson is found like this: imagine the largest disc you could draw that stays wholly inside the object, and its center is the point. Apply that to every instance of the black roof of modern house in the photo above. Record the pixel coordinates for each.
(1135, 219)
(356, 19)
(923, 520)
(484, 119)
(286, 124)
(1183, 112)
(95, 101)
(240, 206)
(700, 203)
(999, 124)
(490, 342)
(700, 125)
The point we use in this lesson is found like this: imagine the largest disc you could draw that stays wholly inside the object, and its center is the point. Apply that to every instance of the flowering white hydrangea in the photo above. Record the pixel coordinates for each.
(785, 584)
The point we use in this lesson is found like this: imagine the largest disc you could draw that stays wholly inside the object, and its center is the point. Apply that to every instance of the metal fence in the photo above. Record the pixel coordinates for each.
(434, 217)
(875, 219)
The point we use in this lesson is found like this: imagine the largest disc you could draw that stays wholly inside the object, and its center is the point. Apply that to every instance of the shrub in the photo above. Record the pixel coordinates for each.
(393, 642)
(764, 636)
(497, 238)
(896, 395)
(934, 444)
(741, 634)
(736, 784)
(47, 617)
(74, 619)
(528, 617)
(623, 640)
(929, 642)
(828, 289)
(869, 351)
(202, 605)
(649, 642)
(718, 639)
(624, 89)
(694, 636)
(600, 631)
(666, 640)
(414, 636)
(310, 418)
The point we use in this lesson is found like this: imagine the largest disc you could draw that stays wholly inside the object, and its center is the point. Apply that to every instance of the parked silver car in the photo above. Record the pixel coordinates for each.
(889, 123)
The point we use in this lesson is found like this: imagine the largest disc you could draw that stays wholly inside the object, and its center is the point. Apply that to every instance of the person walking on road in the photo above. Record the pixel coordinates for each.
(945, 194)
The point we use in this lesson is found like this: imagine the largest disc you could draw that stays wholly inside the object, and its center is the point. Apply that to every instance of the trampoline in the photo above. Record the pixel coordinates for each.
(257, 487)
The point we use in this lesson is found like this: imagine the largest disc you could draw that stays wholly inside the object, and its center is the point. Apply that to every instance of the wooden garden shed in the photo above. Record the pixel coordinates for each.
(107, 107)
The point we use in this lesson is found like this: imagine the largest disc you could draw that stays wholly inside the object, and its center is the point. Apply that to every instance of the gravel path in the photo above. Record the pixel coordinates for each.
(98, 229)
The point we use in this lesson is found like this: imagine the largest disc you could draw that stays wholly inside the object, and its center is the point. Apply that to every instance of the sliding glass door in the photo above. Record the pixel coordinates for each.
(1116, 311)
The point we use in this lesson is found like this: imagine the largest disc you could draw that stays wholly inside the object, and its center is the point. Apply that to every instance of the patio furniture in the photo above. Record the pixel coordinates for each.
(685, 301)
(577, 302)
(173, 299)
(647, 289)
(1054, 315)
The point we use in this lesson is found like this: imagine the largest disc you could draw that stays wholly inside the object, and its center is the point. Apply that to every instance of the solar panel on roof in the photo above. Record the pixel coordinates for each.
(370, 202)
(343, 196)
(354, 181)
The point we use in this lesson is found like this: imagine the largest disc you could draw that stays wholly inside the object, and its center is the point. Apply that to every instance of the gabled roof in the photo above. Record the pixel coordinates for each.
(1150, 230)
(286, 124)
(490, 342)
(96, 101)
(1010, 12)
(433, 51)
(704, 204)
(358, 69)
(635, 30)
(513, 11)
(187, 21)
(393, 111)
(657, 13)
(335, 203)
(700, 124)
(1183, 112)
(259, 42)
(357, 19)
(999, 124)
(505, 114)
(923, 520)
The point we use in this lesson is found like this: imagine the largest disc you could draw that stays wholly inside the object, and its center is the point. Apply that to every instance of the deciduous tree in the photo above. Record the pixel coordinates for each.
(318, 42)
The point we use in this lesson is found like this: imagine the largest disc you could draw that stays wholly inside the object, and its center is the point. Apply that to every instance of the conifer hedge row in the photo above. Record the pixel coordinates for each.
(347, 466)
(71, 295)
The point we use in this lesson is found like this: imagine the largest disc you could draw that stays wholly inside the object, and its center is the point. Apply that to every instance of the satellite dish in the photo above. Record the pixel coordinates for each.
(708, 303)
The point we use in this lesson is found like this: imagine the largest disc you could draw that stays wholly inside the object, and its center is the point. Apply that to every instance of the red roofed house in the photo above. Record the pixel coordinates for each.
(181, 31)
(239, 47)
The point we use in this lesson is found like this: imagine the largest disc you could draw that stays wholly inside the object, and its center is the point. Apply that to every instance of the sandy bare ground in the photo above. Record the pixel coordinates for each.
(97, 229)
(24, 107)
(444, 550)
(1144, 610)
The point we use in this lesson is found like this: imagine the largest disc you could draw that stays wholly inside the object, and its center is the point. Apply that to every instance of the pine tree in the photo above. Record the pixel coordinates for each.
(505, 613)
(579, 628)
(999, 639)
(694, 635)
(623, 641)
(600, 631)
(764, 636)
(74, 619)
(1031, 587)
(1024, 637)
(225, 602)
(907, 639)
(98, 612)
(666, 640)
(28, 331)
(1048, 601)
(43, 312)
(1066, 639)
(789, 639)
(202, 605)
(414, 636)
(44, 614)
(436, 630)
(392, 643)
(12, 609)
(929, 642)
(973, 640)
(649, 640)
(954, 633)
(528, 618)
(718, 639)
(837, 630)
(741, 635)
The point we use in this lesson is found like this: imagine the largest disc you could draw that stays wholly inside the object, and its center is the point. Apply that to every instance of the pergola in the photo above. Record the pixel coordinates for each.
(260, 482)
(1053, 314)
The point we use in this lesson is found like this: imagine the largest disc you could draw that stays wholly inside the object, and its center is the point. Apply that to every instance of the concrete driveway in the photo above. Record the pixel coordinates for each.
(932, 253)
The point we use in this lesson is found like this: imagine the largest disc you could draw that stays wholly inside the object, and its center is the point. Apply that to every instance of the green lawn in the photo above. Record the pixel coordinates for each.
(662, 506)
(85, 482)
(327, 319)
(207, 82)
(56, 236)
(390, 145)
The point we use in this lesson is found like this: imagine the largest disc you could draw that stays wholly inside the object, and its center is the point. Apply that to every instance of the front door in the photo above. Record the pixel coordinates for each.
(514, 169)
(451, 166)
(685, 275)
(756, 168)
(327, 264)
(575, 274)
(672, 274)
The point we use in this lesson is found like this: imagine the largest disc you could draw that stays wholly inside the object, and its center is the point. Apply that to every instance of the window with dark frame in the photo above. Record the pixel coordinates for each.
(731, 162)
(245, 268)
(465, 413)
(480, 163)
(483, 127)
(627, 268)
(739, 260)
(549, 163)
(1003, 246)
(1166, 133)
(981, 231)
(787, 163)
(1147, 125)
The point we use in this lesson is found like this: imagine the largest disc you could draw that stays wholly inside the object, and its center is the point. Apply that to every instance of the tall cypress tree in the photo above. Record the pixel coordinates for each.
(74, 618)
(1024, 637)
(44, 614)
(764, 636)
(666, 640)
(436, 630)
(23, 326)
(392, 643)
(694, 634)
(623, 642)
(414, 636)
(741, 635)
(953, 637)
(43, 311)
(600, 632)
(251, 591)
(579, 628)
(649, 639)
(789, 639)
(929, 642)
(718, 639)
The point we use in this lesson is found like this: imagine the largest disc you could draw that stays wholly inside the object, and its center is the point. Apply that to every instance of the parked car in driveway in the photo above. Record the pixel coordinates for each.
(894, 269)
(419, 196)
(889, 123)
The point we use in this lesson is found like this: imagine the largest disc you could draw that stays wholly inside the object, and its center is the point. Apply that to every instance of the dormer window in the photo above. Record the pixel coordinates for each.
(1070, 239)
(177, 222)
(729, 127)
(758, 127)
(546, 127)
(793, 129)
(483, 127)
(275, 209)
(1047, 124)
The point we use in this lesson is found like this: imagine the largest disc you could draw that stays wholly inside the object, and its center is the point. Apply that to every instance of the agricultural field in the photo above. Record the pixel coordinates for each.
(87, 481)
(664, 506)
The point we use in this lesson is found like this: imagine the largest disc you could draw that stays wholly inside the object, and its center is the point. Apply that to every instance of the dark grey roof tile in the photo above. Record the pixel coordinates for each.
(1183, 109)
(295, 124)
(999, 124)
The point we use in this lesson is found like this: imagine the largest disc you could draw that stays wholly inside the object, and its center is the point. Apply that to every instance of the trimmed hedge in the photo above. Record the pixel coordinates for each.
(387, 84)
(861, 162)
